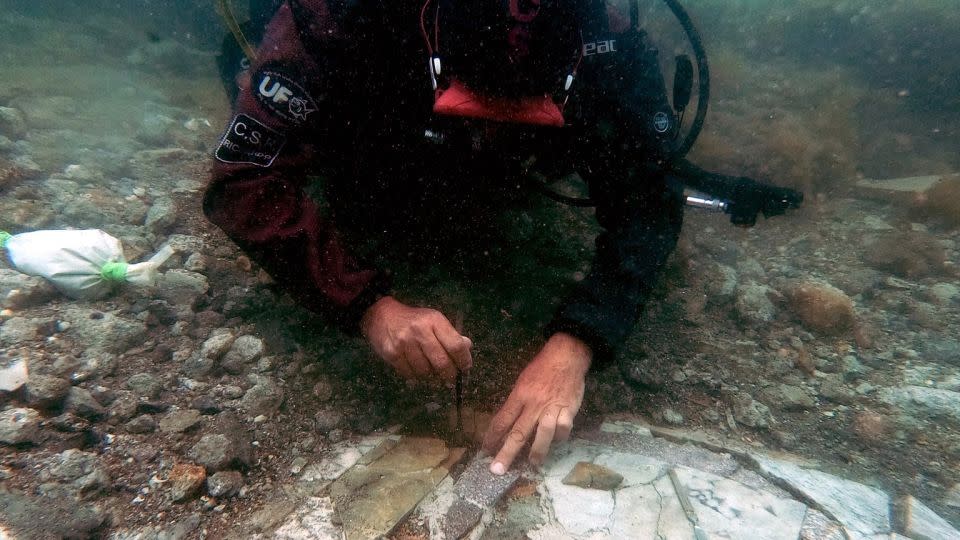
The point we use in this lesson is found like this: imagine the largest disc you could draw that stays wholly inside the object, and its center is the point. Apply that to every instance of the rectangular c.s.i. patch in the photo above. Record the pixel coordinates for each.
(249, 141)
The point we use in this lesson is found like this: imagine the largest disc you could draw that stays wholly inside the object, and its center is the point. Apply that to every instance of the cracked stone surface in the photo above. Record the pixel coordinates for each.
(862, 510)
(366, 490)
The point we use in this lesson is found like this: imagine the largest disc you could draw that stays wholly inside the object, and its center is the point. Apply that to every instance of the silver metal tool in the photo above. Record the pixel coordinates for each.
(698, 532)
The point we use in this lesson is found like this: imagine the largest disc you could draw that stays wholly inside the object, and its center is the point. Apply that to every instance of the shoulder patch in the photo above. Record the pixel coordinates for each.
(249, 141)
(282, 95)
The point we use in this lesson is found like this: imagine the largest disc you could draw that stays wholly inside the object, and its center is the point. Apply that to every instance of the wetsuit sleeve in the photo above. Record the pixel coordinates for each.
(621, 141)
(283, 117)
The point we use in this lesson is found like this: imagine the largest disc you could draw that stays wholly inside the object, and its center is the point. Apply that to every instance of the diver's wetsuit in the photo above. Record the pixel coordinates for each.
(340, 87)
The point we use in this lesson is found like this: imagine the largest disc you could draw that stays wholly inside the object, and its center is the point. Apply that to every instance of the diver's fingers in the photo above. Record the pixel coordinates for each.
(546, 428)
(417, 361)
(514, 441)
(457, 346)
(440, 361)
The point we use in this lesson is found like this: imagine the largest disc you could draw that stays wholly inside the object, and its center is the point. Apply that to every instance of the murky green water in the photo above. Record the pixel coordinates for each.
(111, 106)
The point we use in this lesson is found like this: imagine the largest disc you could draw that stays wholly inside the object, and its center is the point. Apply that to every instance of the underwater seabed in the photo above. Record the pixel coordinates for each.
(824, 340)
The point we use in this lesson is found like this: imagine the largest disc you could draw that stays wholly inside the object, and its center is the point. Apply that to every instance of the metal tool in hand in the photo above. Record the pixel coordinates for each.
(459, 434)
(698, 532)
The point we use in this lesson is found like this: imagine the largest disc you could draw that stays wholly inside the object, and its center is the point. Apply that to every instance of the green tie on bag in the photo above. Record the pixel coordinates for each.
(85, 264)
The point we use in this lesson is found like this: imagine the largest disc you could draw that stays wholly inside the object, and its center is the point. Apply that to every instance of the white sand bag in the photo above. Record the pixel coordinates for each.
(84, 264)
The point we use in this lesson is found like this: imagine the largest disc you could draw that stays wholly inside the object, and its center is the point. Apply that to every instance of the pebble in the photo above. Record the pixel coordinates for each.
(244, 351)
(81, 402)
(224, 484)
(145, 385)
(327, 420)
(218, 452)
(671, 416)
(141, 424)
(297, 466)
(180, 421)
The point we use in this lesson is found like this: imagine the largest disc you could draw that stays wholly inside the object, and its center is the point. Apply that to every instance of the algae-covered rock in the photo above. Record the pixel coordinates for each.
(822, 307)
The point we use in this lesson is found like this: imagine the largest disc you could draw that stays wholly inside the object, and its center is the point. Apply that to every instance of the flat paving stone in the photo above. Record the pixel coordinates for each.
(371, 499)
(313, 520)
(729, 509)
(922, 522)
(475, 491)
(863, 511)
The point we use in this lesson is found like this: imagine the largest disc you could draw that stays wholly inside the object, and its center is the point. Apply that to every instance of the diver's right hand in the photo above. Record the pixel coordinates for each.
(419, 343)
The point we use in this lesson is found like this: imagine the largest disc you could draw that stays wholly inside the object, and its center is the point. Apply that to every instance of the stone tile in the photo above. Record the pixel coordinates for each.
(922, 522)
(475, 491)
(313, 520)
(343, 456)
(862, 510)
(370, 499)
(728, 509)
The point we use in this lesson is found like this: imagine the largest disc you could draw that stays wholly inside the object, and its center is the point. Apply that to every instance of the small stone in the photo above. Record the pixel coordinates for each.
(19, 426)
(327, 420)
(218, 452)
(323, 391)
(145, 385)
(264, 397)
(298, 465)
(245, 350)
(19, 330)
(750, 412)
(141, 424)
(592, 476)
(206, 405)
(753, 303)
(224, 484)
(671, 416)
(20, 291)
(81, 402)
(871, 427)
(792, 398)
(185, 481)
(833, 389)
(179, 421)
(335, 435)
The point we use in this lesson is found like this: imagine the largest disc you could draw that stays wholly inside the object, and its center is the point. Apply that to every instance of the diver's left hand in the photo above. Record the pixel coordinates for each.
(542, 404)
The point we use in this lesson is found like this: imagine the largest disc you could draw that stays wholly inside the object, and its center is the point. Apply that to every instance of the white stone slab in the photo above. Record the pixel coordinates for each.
(922, 522)
(862, 510)
(728, 509)
(342, 457)
(313, 520)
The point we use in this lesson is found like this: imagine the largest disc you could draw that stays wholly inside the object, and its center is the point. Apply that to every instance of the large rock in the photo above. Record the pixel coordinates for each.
(264, 397)
(19, 426)
(185, 481)
(44, 391)
(224, 483)
(822, 307)
(79, 469)
(923, 402)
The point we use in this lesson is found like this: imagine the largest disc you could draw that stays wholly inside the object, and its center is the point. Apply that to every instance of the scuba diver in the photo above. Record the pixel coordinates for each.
(423, 118)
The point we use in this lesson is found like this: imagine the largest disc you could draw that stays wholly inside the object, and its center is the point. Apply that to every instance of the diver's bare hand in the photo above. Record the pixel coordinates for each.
(542, 404)
(419, 343)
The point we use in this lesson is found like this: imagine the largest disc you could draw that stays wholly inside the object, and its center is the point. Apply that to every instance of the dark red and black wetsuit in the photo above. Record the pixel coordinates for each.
(340, 87)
